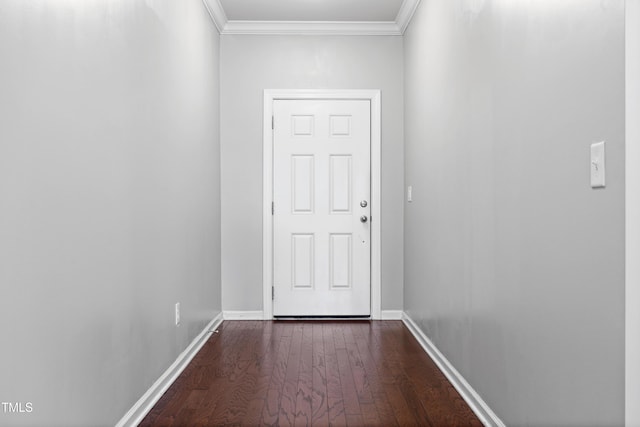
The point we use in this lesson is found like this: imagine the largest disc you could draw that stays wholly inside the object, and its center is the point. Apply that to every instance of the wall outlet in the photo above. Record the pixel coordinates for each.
(177, 314)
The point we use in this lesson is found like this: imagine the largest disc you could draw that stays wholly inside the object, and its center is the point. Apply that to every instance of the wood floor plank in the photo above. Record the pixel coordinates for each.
(384, 412)
(224, 343)
(288, 398)
(349, 393)
(319, 402)
(304, 395)
(271, 408)
(404, 408)
(358, 370)
(242, 377)
(338, 337)
(226, 374)
(189, 408)
(338, 373)
(355, 420)
(335, 401)
(267, 358)
(442, 402)
(399, 351)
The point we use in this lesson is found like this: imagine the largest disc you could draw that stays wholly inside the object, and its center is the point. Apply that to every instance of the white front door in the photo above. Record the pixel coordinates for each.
(322, 205)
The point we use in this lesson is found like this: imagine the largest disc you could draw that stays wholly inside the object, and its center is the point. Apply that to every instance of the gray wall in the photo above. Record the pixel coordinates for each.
(514, 266)
(109, 200)
(251, 64)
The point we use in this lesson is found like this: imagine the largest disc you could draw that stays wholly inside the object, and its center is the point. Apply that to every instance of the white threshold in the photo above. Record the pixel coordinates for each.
(259, 315)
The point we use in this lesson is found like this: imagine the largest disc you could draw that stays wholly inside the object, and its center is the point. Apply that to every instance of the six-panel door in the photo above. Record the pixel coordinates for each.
(321, 193)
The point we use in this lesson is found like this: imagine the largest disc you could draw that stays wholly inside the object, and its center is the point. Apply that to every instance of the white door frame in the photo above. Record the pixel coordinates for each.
(267, 218)
(632, 214)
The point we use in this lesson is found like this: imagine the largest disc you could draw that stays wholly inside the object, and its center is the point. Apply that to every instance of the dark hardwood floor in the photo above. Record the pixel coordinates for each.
(321, 373)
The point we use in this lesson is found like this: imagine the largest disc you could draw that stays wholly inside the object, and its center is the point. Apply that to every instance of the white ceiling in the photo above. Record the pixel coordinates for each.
(345, 17)
(311, 10)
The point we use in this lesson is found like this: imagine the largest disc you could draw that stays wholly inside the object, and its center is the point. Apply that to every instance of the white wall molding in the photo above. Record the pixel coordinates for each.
(216, 12)
(632, 215)
(267, 218)
(312, 28)
(473, 399)
(391, 315)
(405, 14)
(142, 407)
(242, 315)
(353, 28)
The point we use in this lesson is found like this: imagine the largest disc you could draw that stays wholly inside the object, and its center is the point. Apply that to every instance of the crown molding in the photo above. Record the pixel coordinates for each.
(405, 14)
(312, 28)
(216, 12)
(341, 28)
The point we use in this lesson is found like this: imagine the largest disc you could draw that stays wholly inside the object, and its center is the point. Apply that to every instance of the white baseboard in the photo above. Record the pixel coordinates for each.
(259, 315)
(473, 399)
(142, 407)
(391, 315)
(242, 315)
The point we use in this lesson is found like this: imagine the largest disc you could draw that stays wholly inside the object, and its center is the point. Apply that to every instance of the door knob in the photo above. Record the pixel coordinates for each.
(364, 218)
(363, 203)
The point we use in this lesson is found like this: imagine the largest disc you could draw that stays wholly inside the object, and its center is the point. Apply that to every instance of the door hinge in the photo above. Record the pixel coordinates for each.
(272, 123)
(273, 208)
(273, 293)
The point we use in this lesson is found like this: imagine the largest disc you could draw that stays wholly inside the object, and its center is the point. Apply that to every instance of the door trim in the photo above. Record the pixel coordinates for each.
(267, 193)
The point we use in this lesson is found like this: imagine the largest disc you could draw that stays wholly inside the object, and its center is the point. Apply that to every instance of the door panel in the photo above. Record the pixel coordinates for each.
(340, 187)
(302, 181)
(321, 173)
(302, 260)
(340, 260)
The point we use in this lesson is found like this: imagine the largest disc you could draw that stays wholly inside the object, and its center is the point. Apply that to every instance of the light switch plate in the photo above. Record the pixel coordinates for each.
(597, 165)
(409, 194)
